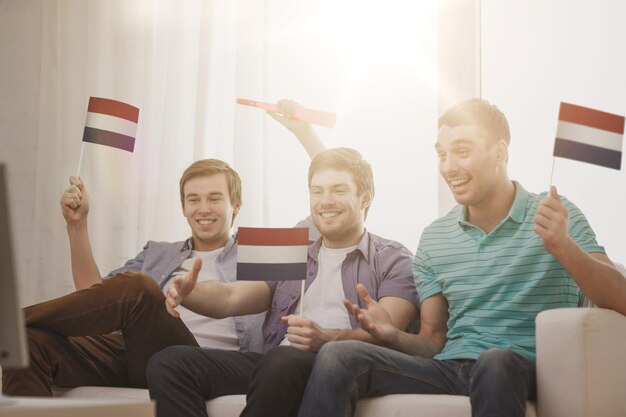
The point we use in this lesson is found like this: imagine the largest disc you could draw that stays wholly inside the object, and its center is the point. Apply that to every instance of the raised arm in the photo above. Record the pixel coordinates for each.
(216, 299)
(433, 325)
(75, 208)
(303, 130)
(594, 273)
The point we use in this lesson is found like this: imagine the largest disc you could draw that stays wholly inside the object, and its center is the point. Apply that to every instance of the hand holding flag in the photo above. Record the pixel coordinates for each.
(305, 334)
(551, 223)
(182, 287)
(75, 201)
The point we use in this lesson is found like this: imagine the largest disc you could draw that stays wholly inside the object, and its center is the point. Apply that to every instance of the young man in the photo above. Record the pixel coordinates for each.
(341, 189)
(483, 272)
(70, 338)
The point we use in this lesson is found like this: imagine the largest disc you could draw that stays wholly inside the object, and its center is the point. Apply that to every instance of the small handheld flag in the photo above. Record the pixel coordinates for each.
(272, 254)
(318, 117)
(111, 123)
(589, 135)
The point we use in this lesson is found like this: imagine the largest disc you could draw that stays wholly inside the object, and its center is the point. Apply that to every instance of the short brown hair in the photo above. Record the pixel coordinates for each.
(346, 159)
(478, 112)
(206, 167)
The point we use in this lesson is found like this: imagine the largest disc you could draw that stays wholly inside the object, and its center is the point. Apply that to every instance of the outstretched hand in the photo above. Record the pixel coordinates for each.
(551, 222)
(182, 287)
(374, 319)
(75, 201)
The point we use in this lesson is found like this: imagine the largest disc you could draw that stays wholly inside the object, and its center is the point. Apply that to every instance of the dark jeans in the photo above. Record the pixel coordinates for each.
(498, 383)
(278, 383)
(182, 378)
(70, 340)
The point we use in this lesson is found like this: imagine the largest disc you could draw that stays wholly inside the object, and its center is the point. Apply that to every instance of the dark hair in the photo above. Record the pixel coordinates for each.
(346, 159)
(206, 167)
(481, 113)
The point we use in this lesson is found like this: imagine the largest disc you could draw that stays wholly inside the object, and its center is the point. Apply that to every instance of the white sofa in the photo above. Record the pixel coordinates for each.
(581, 372)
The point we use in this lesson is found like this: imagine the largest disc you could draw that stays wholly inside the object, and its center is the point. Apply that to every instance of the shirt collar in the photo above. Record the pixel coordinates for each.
(188, 245)
(517, 213)
(363, 247)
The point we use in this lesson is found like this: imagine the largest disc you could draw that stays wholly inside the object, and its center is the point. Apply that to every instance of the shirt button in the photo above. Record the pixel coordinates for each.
(310, 273)
(162, 276)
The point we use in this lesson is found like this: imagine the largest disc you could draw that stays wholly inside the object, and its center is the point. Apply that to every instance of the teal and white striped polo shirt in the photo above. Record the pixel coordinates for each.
(496, 283)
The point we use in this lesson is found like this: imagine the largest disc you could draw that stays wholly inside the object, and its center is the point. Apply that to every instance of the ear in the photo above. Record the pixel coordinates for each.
(502, 151)
(235, 212)
(366, 199)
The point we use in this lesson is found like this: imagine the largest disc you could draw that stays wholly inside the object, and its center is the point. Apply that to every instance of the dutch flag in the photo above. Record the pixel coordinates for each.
(111, 123)
(272, 254)
(589, 135)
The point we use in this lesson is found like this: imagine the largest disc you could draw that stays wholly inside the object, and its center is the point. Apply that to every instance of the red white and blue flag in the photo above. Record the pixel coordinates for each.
(111, 123)
(272, 254)
(589, 135)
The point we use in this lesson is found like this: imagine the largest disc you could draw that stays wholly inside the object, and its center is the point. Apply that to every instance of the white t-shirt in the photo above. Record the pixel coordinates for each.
(210, 333)
(323, 300)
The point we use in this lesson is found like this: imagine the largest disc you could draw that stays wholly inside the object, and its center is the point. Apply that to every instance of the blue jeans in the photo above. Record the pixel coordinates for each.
(498, 383)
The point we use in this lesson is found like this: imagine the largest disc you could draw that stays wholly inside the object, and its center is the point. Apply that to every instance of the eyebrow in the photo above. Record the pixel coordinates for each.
(213, 194)
(456, 142)
(343, 184)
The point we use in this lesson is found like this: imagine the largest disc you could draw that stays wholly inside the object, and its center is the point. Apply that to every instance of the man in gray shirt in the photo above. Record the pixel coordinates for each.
(341, 189)
(73, 339)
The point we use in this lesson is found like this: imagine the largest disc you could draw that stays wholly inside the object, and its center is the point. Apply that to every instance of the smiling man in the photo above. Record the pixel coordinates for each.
(72, 340)
(483, 272)
(341, 191)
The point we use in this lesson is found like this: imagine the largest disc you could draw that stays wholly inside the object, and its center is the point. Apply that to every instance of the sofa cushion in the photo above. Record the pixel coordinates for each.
(397, 405)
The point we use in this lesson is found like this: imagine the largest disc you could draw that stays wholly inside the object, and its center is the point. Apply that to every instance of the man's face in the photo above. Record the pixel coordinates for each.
(209, 211)
(469, 163)
(337, 211)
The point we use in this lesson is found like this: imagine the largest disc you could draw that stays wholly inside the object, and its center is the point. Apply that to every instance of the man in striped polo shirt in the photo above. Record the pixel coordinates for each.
(483, 272)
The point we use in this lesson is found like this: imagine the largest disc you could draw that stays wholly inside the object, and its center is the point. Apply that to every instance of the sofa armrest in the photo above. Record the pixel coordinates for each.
(581, 363)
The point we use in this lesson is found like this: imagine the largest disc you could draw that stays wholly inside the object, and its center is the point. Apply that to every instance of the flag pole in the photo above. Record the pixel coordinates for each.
(80, 158)
(302, 297)
(552, 173)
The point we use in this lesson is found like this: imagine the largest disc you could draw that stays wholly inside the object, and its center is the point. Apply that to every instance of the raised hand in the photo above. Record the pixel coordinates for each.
(284, 116)
(374, 319)
(551, 223)
(182, 287)
(75, 202)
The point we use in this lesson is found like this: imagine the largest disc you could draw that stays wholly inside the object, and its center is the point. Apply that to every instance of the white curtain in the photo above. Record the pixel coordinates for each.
(177, 62)
(183, 63)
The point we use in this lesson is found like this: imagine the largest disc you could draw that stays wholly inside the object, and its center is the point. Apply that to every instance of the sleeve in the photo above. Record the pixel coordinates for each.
(395, 268)
(423, 275)
(132, 265)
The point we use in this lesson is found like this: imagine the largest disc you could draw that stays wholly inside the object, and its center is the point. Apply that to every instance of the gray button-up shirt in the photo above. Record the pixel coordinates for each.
(160, 259)
(382, 265)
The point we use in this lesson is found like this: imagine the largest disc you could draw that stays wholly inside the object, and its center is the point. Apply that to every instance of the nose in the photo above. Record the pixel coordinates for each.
(326, 199)
(447, 165)
(205, 207)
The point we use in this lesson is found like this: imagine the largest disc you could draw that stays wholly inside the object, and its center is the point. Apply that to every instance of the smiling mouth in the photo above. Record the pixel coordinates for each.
(454, 183)
(206, 222)
(329, 214)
